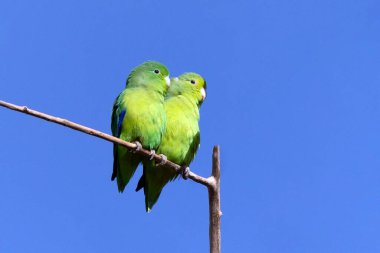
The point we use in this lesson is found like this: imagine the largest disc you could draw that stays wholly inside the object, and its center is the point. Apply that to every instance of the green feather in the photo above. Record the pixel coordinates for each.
(181, 139)
(138, 115)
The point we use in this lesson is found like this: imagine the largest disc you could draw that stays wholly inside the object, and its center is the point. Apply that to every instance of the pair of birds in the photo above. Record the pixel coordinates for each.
(156, 113)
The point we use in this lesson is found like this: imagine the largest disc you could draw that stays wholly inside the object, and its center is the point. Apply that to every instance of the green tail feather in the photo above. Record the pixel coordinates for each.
(155, 178)
(141, 183)
(127, 164)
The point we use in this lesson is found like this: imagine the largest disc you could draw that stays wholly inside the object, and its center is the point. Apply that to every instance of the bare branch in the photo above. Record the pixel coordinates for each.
(104, 136)
(212, 183)
(214, 202)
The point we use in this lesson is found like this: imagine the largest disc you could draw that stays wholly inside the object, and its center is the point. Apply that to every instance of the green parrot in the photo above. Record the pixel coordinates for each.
(138, 115)
(181, 138)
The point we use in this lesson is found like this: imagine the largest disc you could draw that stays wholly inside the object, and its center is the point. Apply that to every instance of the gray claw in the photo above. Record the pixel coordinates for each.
(185, 172)
(152, 154)
(164, 159)
(138, 146)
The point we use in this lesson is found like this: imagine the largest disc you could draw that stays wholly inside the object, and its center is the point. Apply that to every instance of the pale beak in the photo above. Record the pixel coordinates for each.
(203, 92)
(167, 79)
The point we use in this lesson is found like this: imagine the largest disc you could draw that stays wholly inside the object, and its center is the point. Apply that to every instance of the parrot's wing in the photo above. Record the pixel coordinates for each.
(193, 149)
(118, 113)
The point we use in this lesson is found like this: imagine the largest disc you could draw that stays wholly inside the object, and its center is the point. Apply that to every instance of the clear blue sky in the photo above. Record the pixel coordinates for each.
(293, 100)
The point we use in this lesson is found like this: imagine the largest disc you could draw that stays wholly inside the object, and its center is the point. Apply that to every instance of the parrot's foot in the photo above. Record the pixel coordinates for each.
(138, 146)
(185, 172)
(152, 154)
(164, 159)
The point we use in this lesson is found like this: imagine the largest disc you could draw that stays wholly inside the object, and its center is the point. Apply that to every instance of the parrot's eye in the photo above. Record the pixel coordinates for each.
(156, 71)
(192, 81)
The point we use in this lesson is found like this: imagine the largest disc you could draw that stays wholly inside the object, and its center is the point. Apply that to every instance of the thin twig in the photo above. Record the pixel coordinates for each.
(212, 182)
(104, 136)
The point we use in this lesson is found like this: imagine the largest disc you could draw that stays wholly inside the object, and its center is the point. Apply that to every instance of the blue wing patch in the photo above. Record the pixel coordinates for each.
(121, 117)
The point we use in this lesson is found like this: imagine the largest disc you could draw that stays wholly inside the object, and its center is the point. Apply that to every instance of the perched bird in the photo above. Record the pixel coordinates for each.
(138, 115)
(181, 138)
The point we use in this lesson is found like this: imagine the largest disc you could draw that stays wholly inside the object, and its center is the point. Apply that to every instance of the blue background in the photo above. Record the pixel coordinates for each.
(293, 100)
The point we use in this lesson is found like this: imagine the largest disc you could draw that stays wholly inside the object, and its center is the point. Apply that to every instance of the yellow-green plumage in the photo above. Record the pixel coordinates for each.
(182, 136)
(138, 115)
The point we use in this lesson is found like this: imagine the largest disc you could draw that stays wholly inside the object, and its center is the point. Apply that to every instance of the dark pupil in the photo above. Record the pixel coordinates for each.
(192, 81)
(156, 71)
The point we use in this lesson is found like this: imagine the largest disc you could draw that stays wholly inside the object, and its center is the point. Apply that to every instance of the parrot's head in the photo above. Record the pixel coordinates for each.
(189, 84)
(150, 74)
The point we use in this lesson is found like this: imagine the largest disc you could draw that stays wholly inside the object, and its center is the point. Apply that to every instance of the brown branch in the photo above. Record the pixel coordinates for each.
(104, 136)
(212, 182)
(214, 202)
